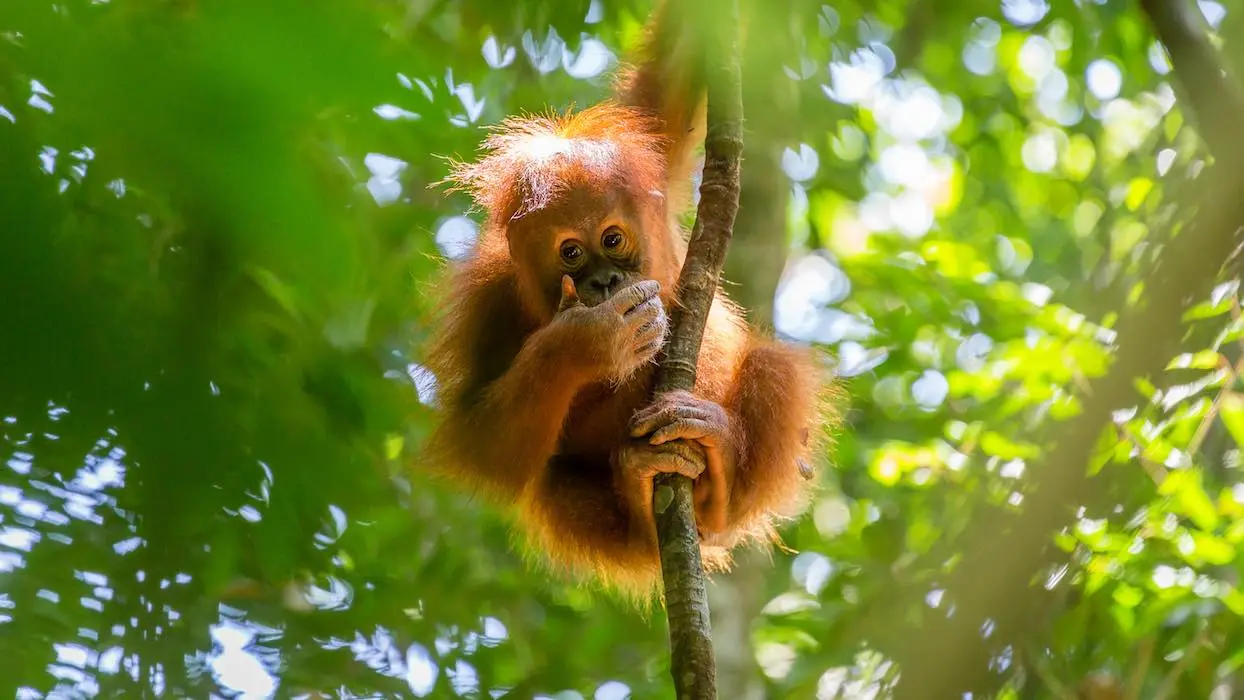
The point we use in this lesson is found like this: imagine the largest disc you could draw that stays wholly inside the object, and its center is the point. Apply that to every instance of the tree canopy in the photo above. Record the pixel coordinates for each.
(1011, 225)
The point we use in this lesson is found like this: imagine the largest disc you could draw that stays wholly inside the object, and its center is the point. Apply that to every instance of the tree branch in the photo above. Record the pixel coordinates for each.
(1214, 99)
(692, 663)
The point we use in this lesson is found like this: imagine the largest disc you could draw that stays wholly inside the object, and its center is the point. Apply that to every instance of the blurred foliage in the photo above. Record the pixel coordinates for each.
(219, 238)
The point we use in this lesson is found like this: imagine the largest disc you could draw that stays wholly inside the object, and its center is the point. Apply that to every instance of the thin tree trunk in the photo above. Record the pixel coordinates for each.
(692, 662)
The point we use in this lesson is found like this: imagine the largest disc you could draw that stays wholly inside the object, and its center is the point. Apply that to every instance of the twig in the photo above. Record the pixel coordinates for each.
(1170, 682)
(1144, 658)
(692, 663)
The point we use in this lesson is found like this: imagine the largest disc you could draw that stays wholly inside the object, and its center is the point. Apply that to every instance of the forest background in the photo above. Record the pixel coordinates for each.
(1003, 222)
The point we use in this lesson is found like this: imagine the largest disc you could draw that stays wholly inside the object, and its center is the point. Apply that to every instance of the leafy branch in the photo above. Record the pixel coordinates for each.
(1005, 552)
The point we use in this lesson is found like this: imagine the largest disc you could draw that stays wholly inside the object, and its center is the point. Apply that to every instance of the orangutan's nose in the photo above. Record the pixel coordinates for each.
(605, 282)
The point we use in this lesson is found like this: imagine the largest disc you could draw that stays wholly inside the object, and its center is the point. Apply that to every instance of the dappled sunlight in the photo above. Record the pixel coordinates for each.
(219, 284)
(234, 666)
(245, 655)
(455, 236)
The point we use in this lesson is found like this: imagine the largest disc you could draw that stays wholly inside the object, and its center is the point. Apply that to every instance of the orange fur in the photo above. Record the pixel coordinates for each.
(534, 414)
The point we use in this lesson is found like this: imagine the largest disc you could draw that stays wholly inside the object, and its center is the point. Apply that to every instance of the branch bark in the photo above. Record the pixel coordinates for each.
(692, 662)
(1214, 99)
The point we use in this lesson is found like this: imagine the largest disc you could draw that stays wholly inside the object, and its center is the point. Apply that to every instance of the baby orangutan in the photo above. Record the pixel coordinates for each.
(544, 356)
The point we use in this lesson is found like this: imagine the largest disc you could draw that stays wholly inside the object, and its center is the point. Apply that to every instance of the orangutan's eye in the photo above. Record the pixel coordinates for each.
(571, 252)
(612, 238)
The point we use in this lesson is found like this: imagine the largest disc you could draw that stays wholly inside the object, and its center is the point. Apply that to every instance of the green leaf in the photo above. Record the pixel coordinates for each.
(1184, 485)
(1213, 550)
(1127, 596)
(1231, 410)
(1233, 598)
(393, 446)
(996, 444)
(1137, 190)
(1205, 359)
